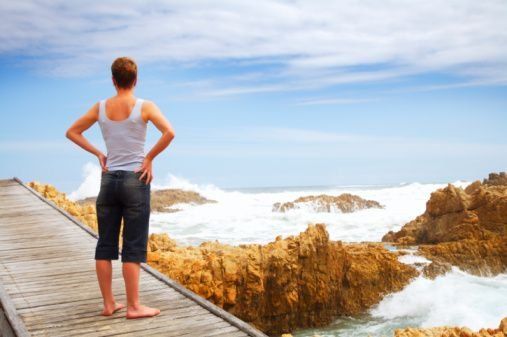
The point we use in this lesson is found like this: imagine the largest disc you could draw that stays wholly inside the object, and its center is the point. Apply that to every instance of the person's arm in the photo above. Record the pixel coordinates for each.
(75, 133)
(162, 124)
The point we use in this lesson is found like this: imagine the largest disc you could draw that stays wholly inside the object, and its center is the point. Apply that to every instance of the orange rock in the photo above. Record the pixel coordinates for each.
(345, 202)
(466, 228)
(452, 332)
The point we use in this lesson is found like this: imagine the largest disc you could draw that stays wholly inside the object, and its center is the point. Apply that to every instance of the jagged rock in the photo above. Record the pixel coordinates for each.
(345, 203)
(299, 281)
(479, 212)
(464, 227)
(496, 179)
(453, 331)
(478, 257)
(436, 268)
(162, 200)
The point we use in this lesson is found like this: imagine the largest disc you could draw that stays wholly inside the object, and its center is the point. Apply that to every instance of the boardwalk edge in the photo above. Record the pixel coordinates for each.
(211, 307)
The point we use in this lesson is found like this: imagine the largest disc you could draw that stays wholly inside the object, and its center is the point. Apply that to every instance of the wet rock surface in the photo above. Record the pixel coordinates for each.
(163, 200)
(345, 203)
(501, 331)
(466, 228)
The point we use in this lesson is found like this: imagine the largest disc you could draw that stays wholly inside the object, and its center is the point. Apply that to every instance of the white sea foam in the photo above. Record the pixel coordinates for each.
(454, 299)
(247, 216)
(457, 298)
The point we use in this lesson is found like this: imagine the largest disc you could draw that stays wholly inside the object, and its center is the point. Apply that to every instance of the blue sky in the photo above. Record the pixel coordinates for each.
(267, 94)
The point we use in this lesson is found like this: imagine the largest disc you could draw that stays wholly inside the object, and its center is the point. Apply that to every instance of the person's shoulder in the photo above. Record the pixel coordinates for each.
(149, 106)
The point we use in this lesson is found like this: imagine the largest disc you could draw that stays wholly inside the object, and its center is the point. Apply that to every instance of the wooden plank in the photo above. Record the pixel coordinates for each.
(197, 326)
(178, 323)
(5, 327)
(63, 284)
(226, 331)
(69, 289)
(72, 297)
(16, 324)
(92, 314)
(168, 310)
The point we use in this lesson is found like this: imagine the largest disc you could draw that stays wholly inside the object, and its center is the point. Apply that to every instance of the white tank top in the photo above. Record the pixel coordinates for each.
(124, 139)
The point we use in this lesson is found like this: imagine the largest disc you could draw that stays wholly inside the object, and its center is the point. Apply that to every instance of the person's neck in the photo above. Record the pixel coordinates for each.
(125, 93)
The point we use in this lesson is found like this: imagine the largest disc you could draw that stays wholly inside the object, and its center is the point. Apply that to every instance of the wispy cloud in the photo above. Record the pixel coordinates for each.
(334, 101)
(304, 44)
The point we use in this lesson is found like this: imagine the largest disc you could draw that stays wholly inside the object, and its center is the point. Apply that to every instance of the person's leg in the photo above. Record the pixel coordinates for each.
(104, 271)
(109, 215)
(136, 212)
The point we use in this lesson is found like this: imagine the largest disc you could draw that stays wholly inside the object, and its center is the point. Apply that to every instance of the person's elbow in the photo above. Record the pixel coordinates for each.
(170, 134)
(70, 134)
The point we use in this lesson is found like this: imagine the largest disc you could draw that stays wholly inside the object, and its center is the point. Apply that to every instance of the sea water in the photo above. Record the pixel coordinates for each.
(246, 216)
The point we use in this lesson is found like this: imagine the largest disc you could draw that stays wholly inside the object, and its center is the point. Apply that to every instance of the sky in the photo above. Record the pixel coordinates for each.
(264, 93)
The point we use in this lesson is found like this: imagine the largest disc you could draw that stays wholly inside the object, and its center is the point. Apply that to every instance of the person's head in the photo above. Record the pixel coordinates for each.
(124, 71)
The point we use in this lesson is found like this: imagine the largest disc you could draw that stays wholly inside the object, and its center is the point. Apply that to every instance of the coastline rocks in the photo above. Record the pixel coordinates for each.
(478, 212)
(299, 281)
(466, 228)
(162, 200)
(501, 331)
(345, 203)
(478, 257)
(496, 179)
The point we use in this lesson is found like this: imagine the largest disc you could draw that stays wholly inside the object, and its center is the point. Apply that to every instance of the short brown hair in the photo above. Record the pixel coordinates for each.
(124, 70)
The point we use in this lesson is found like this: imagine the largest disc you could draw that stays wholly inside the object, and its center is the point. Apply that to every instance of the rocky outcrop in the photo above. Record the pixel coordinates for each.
(463, 227)
(501, 331)
(294, 282)
(300, 281)
(498, 179)
(162, 200)
(478, 257)
(479, 212)
(345, 203)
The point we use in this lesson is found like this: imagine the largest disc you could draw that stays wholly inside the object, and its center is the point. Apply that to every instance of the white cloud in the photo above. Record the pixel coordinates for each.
(307, 44)
(91, 184)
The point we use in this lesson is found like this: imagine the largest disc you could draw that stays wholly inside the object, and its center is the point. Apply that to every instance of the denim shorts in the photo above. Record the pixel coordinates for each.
(123, 195)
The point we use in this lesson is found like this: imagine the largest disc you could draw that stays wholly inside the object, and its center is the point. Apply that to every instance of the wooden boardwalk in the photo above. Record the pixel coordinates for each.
(48, 284)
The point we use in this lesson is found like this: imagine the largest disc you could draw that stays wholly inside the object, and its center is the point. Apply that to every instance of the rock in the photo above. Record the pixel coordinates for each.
(479, 212)
(436, 268)
(478, 257)
(299, 281)
(294, 282)
(463, 227)
(503, 326)
(453, 331)
(496, 179)
(345, 203)
(162, 200)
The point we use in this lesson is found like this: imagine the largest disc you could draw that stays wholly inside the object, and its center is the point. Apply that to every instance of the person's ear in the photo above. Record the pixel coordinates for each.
(135, 82)
(114, 82)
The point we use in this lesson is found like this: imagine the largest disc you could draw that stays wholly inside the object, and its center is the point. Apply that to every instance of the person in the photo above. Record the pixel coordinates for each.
(125, 182)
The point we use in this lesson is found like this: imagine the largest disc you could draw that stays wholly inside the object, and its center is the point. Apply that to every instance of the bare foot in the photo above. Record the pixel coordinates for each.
(109, 310)
(141, 311)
